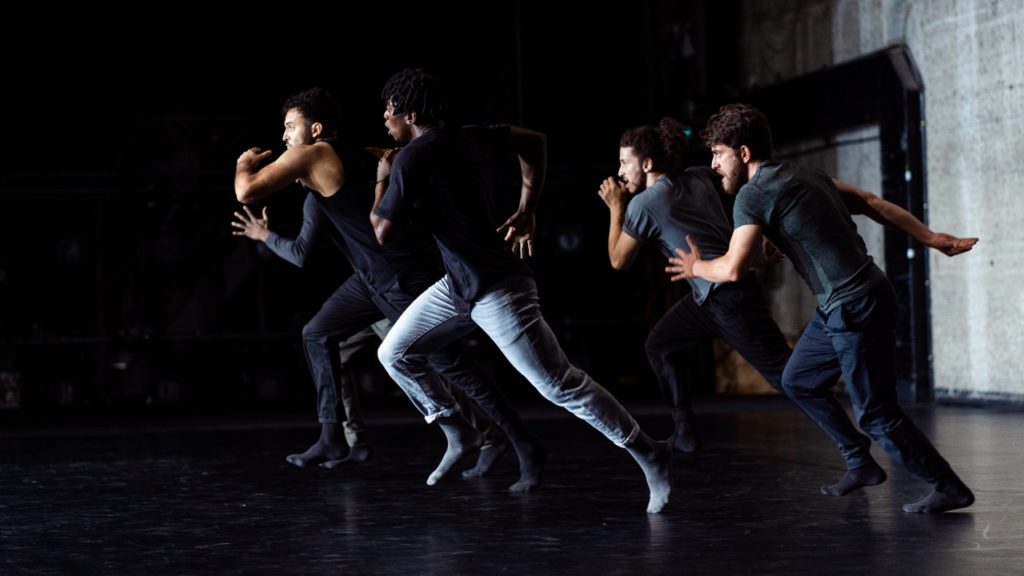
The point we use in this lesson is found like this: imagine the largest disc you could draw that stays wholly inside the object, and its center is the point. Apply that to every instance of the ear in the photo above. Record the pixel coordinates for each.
(745, 154)
(410, 118)
(316, 129)
(647, 165)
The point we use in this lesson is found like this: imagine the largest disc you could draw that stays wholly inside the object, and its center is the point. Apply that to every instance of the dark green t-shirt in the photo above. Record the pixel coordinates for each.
(800, 210)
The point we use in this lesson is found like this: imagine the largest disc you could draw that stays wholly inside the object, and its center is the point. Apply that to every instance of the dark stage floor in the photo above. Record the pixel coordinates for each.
(216, 497)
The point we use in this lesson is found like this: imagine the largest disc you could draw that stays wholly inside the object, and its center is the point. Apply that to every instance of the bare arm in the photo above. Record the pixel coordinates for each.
(622, 248)
(729, 267)
(253, 183)
(531, 148)
(888, 214)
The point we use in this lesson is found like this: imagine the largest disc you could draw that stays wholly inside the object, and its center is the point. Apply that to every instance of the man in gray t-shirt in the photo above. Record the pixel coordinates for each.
(667, 205)
(807, 215)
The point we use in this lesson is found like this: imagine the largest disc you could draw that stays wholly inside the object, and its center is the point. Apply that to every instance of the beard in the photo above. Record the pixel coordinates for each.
(733, 180)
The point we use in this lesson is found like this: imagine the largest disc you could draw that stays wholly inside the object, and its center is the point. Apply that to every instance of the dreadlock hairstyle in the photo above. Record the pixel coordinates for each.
(416, 90)
(667, 145)
(316, 105)
(738, 125)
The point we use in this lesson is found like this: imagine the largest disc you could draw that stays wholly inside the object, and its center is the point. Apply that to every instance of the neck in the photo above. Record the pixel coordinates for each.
(752, 167)
(419, 130)
(652, 177)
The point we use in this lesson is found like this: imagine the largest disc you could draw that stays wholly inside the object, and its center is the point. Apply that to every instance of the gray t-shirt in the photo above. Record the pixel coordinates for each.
(674, 207)
(801, 211)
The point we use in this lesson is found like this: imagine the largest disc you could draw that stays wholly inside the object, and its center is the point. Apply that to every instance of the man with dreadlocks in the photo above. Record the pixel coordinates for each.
(668, 204)
(444, 177)
(387, 279)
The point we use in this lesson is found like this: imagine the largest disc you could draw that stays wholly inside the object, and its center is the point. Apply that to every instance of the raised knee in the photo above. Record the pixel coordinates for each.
(387, 354)
(655, 348)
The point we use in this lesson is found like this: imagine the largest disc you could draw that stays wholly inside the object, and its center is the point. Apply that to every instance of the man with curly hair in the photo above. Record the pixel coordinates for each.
(387, 279)
(442, 177)
(807, 215)
(657, 199)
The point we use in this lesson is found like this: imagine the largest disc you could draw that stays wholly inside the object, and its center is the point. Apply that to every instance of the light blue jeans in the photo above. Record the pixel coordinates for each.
(509, 313)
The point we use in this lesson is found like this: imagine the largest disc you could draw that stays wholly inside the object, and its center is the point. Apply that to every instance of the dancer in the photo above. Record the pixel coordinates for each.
(655, 200)
(339, 404)
(387, 278)
(807, 215)
(443, 176)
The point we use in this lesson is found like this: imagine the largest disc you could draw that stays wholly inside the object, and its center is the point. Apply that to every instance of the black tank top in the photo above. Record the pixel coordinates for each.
(349, 209)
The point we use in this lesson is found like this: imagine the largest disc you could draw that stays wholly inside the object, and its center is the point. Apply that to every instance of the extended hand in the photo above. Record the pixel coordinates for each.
(519, 229)
(250, 226)
(681, 268)
(951, 245)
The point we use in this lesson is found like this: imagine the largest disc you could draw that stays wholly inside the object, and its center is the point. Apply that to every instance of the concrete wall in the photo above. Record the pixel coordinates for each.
(971, 56)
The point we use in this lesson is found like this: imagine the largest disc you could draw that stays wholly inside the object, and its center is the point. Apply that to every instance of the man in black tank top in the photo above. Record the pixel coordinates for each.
(386, 281)
(338, 402)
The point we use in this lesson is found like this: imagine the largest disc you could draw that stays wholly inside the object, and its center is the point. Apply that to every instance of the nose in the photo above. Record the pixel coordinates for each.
(714, 163)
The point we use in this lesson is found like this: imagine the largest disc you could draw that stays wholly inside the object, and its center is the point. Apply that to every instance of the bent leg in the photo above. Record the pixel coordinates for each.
(865, 342)
(808, 379)
(346, 312)
(678, 332)
(510, 315)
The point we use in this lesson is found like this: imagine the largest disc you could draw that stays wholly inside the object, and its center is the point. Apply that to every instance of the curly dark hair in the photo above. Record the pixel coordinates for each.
(738, 125)
(667, 145)
(416, 90)
(316, 105)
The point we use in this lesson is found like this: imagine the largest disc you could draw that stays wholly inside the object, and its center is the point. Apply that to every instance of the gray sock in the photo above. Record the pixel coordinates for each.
(462, 439)
(655, 459)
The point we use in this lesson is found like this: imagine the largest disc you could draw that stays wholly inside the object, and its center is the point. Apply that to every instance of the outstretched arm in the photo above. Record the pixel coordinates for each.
(728, 267)
(622, 248)
(888, 214)
(531, 148)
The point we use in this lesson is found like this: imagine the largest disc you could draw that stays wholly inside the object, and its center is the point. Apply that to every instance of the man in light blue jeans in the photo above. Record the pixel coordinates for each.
(442, 178)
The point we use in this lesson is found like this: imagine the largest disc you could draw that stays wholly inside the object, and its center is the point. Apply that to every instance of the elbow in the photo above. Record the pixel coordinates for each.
(733, 275)
(619, 264)
(244, 194)
(733, 272)
(380, 231)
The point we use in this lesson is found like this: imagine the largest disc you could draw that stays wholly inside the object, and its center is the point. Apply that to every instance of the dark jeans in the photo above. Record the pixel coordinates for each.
(353, 307)
(737, 313)
(857, 340)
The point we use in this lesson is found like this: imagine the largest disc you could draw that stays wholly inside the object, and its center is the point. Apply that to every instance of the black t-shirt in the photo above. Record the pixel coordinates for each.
(349, 210)
(446, 177)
